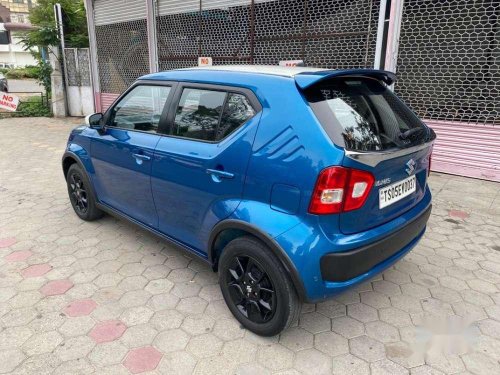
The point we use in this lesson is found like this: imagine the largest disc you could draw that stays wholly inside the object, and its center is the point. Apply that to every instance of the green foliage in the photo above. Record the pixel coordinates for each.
(29, 71)
(45, 34)
(43, 72)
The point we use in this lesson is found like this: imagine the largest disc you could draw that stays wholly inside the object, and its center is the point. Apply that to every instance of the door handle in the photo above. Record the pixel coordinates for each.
(220, 174)
(141, 157)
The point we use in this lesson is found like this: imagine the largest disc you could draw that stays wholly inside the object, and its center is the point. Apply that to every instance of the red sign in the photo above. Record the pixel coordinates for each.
(8, 101)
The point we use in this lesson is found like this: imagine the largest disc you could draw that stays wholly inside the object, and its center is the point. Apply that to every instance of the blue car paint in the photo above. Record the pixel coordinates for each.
(273, 154)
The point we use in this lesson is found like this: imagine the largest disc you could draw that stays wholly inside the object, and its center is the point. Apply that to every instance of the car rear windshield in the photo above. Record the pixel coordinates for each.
(362, 114)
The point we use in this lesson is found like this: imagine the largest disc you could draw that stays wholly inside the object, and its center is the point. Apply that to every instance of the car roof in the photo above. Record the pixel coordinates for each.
(304, 76)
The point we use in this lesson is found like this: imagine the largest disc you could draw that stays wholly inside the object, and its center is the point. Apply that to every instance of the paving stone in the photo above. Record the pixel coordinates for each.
(108, 353)
(159, 286)
(107, 331)
(18, 256)
(239, 351)
(136, 315)
(139, 335)
(362, 312)
(313, 361)
(387, 367)
(348, 364)
(347, 327)
(36, 270)
(331, 344)
(75, 348)
(179, 363)
(166, 319)
(77, 326)
(275, 357)
(228, 329)
(382, 331)
(14, 337)
(198, 324)
(44, 342)
(171, 340)
(80, 307)
(314, 322)
(56, 287)
(142, 359)
(367, 348)
(205, 345)
(10, 359)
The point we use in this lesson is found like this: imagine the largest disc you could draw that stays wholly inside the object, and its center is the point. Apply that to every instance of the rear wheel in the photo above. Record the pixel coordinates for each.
(256, 287)
(81, 196)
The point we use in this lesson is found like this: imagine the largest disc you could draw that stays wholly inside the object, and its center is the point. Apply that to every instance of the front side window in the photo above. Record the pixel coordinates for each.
(210, 115)
(141, 108)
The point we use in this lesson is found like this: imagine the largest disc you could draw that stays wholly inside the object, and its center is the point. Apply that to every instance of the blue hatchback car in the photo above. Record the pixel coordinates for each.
(295, 184)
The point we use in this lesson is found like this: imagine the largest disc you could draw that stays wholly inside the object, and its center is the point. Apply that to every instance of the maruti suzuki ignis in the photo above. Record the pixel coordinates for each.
(295, 184)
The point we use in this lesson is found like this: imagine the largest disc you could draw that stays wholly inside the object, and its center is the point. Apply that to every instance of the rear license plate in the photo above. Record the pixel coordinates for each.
(397, 191)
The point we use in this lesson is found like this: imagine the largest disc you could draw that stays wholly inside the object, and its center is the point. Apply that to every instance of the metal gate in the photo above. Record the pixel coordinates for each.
(121, 45)
(323, 33)
(449, 73)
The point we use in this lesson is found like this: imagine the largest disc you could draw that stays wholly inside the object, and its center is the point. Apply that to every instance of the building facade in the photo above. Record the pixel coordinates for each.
(14, 16)
(446, 54)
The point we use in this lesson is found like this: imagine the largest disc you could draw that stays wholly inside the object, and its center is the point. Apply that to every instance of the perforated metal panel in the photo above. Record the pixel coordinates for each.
(325, 33)
(449, 59)
(77, 66)
(122, 54)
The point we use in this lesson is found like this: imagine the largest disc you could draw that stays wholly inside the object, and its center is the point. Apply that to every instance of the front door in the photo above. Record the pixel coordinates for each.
(199, 170)
(122, 153)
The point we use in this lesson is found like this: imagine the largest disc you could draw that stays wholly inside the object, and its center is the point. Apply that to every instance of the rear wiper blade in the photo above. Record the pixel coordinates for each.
(411, 133)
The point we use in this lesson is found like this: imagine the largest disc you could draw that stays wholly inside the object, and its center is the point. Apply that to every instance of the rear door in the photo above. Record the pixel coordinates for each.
(380, 135)
(199, 169)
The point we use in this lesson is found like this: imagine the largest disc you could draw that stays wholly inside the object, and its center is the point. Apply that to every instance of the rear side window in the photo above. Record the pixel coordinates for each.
(210, 115)
(364, 115)
(237, 111)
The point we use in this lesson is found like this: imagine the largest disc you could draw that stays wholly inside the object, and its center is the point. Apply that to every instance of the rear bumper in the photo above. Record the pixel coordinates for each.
(344, 266)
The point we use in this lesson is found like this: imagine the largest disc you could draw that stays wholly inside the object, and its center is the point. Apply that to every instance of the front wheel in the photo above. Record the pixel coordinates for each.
(256, 287)
(80, 194)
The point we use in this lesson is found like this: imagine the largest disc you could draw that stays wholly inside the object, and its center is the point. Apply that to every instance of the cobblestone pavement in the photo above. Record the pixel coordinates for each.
(107, 297)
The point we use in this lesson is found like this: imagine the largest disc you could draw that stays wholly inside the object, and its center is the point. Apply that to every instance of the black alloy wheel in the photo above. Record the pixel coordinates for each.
(79, 196)
(251, 289)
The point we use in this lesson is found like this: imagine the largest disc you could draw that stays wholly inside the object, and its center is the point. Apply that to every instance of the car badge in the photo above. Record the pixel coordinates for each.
(411, 167)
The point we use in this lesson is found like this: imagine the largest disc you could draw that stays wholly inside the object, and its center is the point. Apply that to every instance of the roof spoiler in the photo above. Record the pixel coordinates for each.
(308, 79)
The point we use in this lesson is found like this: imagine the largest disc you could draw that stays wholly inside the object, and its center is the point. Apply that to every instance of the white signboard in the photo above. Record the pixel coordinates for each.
(291, 63)
(204, 61)
(8, 101)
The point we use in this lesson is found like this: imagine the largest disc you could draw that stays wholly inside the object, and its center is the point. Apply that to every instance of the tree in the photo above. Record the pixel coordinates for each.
(45, 32)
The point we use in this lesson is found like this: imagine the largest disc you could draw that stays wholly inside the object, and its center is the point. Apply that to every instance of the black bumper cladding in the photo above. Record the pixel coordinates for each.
(347, 265)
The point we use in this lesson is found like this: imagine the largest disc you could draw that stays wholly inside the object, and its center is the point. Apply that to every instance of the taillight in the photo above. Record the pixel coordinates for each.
(340, 189)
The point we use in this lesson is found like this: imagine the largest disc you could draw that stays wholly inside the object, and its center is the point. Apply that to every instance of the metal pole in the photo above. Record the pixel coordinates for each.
(152, 35)
(59, 25)
(94, 68)
(380, 34)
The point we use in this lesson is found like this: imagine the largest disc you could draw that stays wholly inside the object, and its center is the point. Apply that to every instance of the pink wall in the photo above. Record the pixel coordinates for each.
(471, 150)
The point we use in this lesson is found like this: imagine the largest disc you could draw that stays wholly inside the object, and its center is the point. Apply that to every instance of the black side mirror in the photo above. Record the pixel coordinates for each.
(94, 121)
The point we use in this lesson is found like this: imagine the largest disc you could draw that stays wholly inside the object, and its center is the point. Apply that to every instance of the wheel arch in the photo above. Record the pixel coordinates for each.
(227, 230)
(69, 158)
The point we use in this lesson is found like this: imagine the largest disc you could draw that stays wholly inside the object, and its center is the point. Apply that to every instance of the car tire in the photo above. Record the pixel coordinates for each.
(256, 287)
(81, 195)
